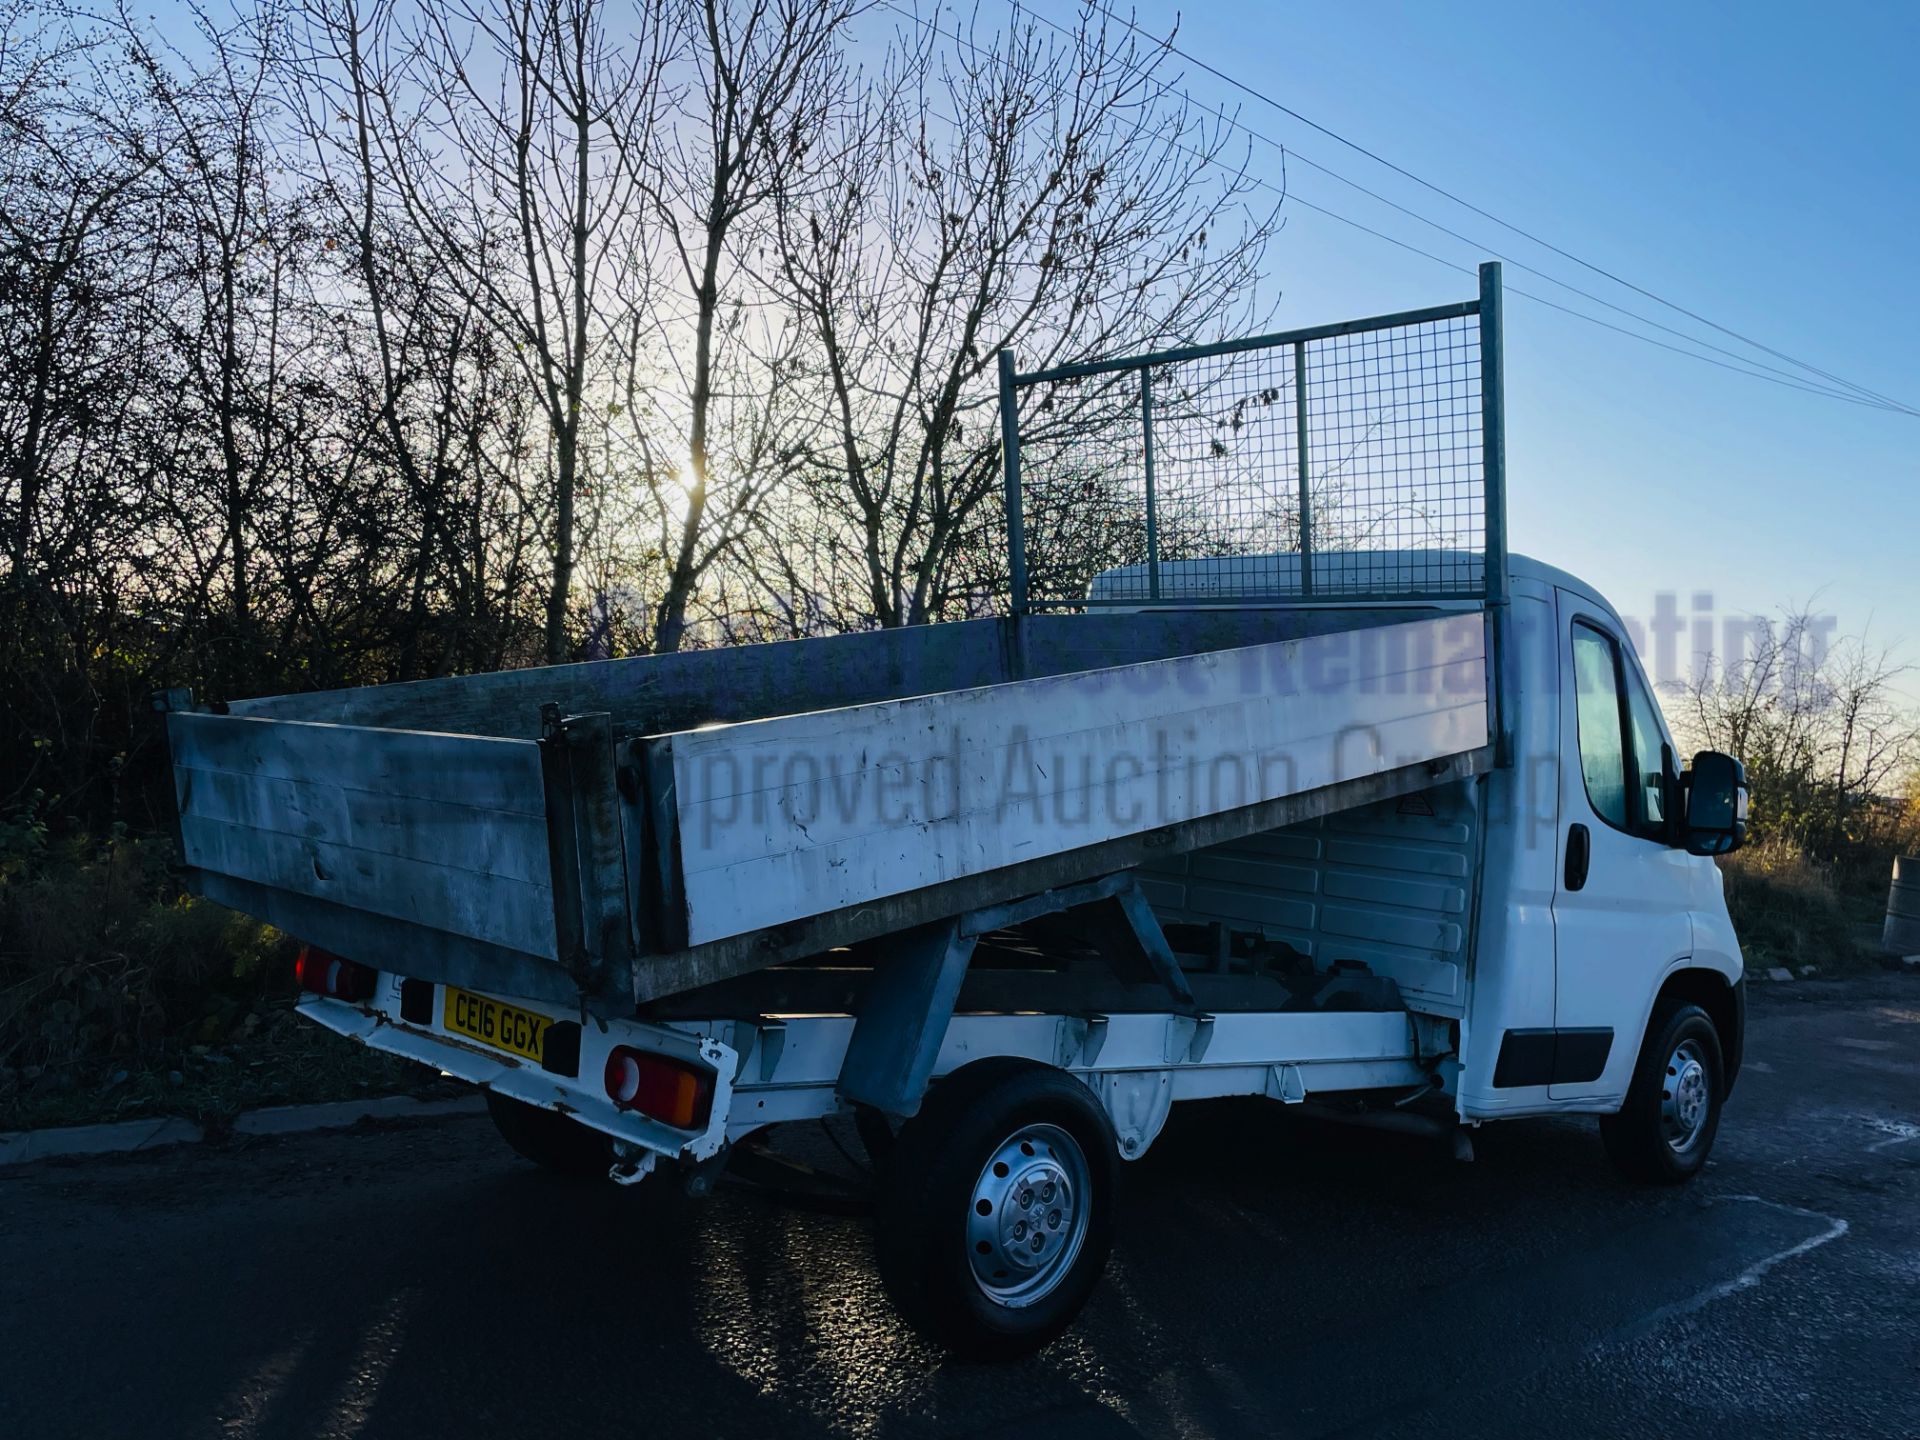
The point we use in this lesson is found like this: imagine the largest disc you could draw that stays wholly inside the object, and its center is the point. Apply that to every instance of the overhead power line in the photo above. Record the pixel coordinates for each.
(1770, 375)
(1466, 204)
(1737, 363)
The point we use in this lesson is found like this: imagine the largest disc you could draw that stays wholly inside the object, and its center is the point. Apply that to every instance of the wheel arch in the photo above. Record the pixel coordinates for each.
(1725, 1003)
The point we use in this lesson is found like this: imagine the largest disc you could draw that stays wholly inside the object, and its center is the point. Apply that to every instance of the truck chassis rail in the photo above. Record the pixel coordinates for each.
(770, 1069)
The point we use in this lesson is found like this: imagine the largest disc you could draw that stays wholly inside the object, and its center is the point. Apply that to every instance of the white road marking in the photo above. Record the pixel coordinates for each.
(1898, 1132)
(1745, 1280)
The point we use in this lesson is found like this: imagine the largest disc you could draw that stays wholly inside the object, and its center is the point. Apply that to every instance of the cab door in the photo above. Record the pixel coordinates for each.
(1621, 899)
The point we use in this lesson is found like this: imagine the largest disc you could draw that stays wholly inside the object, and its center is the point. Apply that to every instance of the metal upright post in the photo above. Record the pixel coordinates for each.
(1153, 523)
(1300, 432)
(1010, 464)
(1493, 432)
(1493, 462)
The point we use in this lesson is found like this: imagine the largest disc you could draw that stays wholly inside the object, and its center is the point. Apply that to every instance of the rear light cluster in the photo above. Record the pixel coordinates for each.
(670, 1091)
(329, 975)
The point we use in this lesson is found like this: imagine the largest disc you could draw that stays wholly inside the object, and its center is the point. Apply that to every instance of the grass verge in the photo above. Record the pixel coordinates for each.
(122, 998)
(279, 1060)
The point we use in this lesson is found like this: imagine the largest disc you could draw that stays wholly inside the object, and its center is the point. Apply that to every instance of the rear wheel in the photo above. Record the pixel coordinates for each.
(996, 1207)
(551, 1140)
(1665, 1131)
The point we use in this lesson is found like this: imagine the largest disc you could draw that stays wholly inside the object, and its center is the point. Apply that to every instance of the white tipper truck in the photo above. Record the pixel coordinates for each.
(1376, 831)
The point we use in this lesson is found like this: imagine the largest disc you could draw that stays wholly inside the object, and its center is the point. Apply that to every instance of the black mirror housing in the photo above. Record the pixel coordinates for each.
(1716, 795)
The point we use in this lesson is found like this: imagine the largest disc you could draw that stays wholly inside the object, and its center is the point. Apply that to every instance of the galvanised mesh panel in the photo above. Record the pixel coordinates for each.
(1180, 477)
(1394, 460)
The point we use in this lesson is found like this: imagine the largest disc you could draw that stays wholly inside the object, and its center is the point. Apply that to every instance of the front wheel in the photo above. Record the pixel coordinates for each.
(1664, 1132)
(995, 1210)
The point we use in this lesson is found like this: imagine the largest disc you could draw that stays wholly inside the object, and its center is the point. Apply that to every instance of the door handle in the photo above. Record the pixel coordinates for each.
(1579, 853)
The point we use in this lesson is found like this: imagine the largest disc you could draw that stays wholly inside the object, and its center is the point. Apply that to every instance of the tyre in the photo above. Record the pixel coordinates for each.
(549, 1139)
(995, 1210)
(876, 1135)
(1664, 1132)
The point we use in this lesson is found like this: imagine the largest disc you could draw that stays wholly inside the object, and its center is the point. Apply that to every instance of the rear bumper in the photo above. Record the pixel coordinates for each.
(377, 1023)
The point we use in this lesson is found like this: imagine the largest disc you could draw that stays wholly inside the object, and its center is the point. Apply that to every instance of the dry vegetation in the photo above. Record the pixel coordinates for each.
(120, 997)
(1790, 911)
(1831, 750)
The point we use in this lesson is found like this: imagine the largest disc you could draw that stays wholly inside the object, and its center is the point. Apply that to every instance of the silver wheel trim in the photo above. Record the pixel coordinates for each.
(1686, 1097)
(1028, 1215)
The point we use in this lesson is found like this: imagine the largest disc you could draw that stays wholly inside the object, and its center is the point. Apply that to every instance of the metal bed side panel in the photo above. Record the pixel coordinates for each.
(780, 820)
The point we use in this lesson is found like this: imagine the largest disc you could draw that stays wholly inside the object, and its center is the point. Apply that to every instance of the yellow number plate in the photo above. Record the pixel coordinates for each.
(492, 1022)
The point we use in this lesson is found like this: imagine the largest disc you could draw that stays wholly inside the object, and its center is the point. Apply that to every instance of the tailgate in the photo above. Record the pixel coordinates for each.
(463, 859)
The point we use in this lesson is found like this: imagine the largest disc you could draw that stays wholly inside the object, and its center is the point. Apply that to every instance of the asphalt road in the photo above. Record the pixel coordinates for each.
(1273, 1278)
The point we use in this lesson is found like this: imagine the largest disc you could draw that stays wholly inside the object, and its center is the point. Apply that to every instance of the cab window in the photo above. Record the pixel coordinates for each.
(1596, 686)
(1649, 759)
(1621, 755)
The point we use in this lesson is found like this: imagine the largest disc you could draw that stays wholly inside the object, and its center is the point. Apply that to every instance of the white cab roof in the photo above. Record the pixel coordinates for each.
(1377, 571)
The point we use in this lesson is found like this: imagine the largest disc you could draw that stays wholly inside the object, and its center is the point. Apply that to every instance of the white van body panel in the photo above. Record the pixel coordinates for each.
(1621, 933)
(1513, 972)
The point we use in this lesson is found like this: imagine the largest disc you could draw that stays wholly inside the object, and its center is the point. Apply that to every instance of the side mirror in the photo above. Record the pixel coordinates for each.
(1716, 795)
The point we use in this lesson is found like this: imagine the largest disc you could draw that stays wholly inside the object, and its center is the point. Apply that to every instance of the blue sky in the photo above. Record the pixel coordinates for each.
(1758, 163)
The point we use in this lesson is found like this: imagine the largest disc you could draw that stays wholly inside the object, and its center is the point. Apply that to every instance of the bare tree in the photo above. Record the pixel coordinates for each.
(1875, 741)
(510, 127)
(426, 367)
(1019, 189)
(356, 339)
(1821, 728)
(76, 322)
(71, 197)
(231, 257)
(712, 361)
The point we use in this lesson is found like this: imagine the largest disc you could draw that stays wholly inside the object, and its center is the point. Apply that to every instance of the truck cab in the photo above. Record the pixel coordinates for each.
(1596, 908)
(1547, 907)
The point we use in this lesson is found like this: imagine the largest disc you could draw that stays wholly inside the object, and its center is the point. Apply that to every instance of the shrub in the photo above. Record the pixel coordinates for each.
(1788, 909)
(103, 957)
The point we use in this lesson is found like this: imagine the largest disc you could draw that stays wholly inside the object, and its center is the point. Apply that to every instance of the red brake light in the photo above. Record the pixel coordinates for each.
(329, 975)
(670, 1091)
